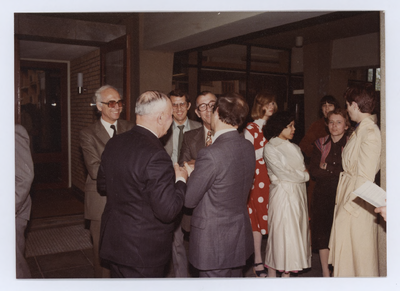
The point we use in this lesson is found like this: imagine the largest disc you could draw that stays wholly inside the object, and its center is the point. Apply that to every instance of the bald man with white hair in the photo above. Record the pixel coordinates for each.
(145, 193)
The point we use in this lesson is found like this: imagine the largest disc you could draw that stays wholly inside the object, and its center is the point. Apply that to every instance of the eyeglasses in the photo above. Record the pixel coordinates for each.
(181, 105)
(112, 103)
(203, 106)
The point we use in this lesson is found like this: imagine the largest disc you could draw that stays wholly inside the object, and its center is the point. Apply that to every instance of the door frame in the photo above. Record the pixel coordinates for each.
(62, 157)
(121, 43)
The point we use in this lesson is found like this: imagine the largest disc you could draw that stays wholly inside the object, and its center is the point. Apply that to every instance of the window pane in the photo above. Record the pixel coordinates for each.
(269, 60)
(229, 56)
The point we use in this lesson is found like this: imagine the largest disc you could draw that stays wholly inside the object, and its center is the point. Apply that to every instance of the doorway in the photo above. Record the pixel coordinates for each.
(43, 112)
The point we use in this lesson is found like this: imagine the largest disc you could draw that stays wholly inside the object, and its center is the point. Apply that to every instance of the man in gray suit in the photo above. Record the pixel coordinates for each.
(221, 238)
(173, 141)
(193, 141)
(23, 180)
(93, 140)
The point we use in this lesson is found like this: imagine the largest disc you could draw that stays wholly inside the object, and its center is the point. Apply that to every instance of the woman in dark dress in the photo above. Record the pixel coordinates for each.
(325, 167)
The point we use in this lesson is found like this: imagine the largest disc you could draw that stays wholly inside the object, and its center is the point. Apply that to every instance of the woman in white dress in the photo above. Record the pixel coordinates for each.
(288, 246)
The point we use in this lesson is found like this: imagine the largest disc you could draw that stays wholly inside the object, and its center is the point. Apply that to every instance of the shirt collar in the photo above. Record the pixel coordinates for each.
(175, 125)
(107, 125)
(221, 132)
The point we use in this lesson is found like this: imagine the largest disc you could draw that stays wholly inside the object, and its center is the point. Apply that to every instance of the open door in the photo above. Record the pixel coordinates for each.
(115, 69)
(41, 108)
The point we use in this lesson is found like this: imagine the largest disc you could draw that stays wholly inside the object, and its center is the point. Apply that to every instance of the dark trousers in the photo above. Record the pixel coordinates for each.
(222, 273)
(120, 271)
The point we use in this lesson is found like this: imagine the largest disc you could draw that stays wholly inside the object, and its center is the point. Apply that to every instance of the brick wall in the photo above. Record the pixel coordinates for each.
(82, 114)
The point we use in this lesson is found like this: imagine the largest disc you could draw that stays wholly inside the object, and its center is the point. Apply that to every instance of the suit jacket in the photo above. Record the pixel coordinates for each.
(193, 141)
(168, 140)
(143, 200)
(93, 139)
(221, 235)
(23, 173)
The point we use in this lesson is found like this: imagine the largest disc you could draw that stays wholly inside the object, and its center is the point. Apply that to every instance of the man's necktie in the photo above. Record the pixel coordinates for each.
(115, 130)
(180, 139)
(208, 139)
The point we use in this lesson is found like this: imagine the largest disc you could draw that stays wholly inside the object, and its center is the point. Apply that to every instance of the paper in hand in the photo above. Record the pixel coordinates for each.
(371, 193)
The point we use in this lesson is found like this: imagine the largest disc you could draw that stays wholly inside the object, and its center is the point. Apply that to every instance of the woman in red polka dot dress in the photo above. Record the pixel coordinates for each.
(257, 205)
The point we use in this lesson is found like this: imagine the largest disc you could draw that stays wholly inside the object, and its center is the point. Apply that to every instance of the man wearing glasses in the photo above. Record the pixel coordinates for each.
(199, 138)
(93, 139)
(193, 141)
(180, 105)
(173, 141)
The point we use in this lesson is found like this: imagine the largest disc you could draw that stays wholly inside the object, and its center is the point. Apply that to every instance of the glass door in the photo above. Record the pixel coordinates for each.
(115, 67)
(43, 112)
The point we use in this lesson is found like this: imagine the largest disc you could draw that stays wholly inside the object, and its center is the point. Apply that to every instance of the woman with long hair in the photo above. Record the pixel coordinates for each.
(264, 107)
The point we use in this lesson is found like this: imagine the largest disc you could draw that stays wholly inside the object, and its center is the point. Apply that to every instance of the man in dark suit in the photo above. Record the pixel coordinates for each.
(93, 139)
(144, 192)
(221, 238)
(196, 139)
(23, 180)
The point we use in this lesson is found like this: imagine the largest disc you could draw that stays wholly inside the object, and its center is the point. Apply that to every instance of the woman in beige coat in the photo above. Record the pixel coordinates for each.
(353, 241)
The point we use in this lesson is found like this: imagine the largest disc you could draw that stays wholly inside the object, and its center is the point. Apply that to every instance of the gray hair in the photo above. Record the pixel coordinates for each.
(150, 102)
(97, 94)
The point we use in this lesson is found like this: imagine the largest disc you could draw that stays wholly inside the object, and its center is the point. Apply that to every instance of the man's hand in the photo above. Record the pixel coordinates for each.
(189, 166)
(180, 172)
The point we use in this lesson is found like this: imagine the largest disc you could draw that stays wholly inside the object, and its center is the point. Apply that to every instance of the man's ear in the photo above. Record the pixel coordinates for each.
(189, 104)
(197, 113)
(99, 106)
(160, 118)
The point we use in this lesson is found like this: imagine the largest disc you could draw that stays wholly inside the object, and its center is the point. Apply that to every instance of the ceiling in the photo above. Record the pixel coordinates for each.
(267, 29)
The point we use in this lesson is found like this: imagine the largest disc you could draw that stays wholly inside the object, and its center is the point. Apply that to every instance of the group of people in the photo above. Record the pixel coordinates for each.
(167, 178)
(344, 226)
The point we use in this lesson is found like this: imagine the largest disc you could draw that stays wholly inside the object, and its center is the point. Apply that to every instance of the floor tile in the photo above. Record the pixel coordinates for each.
(62, 261)
(33, 267)
(77, 272)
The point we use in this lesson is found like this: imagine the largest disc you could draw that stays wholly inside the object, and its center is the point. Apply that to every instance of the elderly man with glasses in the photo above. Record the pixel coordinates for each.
(93, 139)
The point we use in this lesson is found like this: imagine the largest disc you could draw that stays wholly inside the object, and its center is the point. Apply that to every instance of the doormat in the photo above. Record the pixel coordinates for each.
(57, 240)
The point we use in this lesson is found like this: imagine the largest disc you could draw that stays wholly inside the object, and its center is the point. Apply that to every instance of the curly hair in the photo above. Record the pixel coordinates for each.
(277, 123)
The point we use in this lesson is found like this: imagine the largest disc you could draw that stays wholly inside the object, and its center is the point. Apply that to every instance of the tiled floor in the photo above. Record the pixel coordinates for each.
(74, 264)
(78, 263)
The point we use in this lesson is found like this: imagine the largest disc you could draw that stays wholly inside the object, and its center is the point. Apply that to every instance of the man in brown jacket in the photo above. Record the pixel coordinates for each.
(93, 139)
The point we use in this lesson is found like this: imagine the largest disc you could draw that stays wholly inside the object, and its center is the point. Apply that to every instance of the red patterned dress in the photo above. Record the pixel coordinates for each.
(257, 203)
